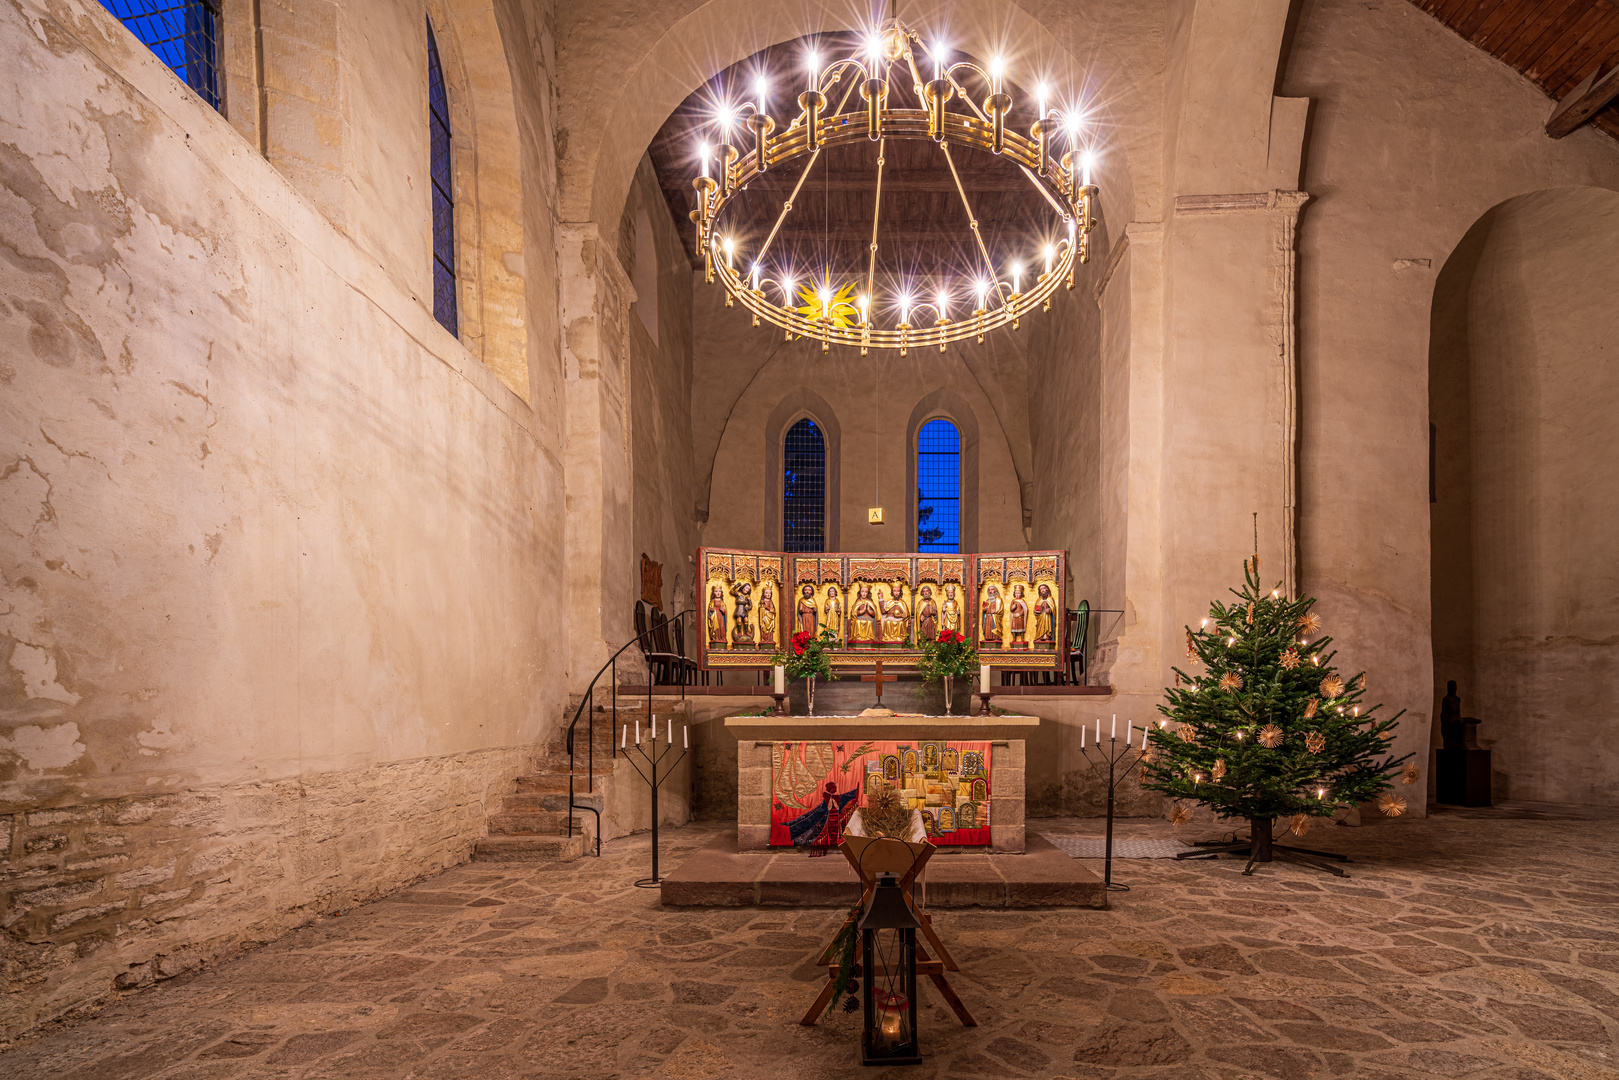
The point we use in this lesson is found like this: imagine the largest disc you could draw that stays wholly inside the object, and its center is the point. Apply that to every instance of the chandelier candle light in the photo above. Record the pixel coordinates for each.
(888, 61)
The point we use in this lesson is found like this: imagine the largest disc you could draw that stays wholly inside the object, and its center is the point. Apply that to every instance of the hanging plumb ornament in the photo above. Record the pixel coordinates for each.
(1218, 772)
(1191, 652)
(1391, 804)
(1179, 816)
(1315, 742)
(1270, 736)
(1331, 687)
(1309, 710)
(1230, 681)
(1362, 681)
(1411, 774)
(1289, 659)
(1309, 624)
(1250, 613)
(1299, 825)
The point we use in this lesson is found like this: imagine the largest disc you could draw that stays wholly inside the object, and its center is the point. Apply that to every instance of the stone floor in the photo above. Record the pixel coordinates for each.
(1479, 944)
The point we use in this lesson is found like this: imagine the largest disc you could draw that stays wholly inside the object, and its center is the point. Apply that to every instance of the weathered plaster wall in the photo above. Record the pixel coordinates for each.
(280, 558)
(660, 396)
(1524, 388)
(1415, 135)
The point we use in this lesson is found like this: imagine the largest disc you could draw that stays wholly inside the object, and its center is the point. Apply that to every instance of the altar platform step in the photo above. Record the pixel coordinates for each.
(718, 875)
(1037, 690)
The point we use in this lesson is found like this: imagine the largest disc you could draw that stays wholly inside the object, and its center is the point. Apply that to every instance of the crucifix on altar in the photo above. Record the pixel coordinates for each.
(879, 678)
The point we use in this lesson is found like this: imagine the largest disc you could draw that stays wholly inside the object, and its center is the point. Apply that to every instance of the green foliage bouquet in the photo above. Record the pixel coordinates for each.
(948, 656)
(806, 656)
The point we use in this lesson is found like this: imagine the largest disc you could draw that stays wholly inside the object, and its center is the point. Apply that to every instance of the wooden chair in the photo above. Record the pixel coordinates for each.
(675, 664)
(1079, 626)
(679, 628)
(870, 856)
(658, 660)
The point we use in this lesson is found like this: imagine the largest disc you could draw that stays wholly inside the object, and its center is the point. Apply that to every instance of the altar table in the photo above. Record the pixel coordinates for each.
(1006, 736)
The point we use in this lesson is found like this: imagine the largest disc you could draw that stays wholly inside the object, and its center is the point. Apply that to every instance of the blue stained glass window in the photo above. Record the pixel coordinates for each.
(938, 487)
(438, 122)
(183, 33)
(803, 503)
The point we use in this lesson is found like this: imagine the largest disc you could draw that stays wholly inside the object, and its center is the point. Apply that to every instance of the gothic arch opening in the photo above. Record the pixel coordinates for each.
(1525, 553)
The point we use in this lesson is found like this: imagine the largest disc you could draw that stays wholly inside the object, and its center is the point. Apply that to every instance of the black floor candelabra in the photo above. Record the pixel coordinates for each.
(1113, 754)
(656, 755)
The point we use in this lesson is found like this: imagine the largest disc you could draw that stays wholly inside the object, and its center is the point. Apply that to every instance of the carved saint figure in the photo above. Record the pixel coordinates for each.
(950, 613)
(1045, 617)
(1017, 618)
(806, 610)
(832, 611)
(927, 616)
(989, 625)
(896, 614)
(767, 615)
(863, 618)
(716, 615)
(741, 617)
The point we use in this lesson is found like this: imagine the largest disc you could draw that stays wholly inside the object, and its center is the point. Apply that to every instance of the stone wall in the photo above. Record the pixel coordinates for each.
(1523, 388)
(112, 895)
(280, 558)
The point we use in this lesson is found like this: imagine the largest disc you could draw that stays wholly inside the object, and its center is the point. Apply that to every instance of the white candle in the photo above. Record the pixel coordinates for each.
(624, 736)
(983, 678)
(780, 679)
(1040, 95)
(1127, 735)
(655, 728)
(638, 733)
(1082, 736)
(1017, 278)
(685, 737)
(702, 152)
(1115, 733)
(814, 71)
(1098, 729)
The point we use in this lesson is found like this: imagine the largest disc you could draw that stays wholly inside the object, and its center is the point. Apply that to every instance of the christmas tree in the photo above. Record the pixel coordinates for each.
(1264, 727)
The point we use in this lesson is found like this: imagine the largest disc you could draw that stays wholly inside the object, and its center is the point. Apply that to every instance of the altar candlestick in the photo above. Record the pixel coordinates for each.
(983, 678)
(779, 679)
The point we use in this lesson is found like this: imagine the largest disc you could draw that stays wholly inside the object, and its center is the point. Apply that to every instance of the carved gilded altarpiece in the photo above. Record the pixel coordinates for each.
(880, 606)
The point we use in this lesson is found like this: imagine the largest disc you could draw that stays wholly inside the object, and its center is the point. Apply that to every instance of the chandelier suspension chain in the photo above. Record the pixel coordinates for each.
(972, 220)
(787, 206)
(973, 105)
(876, 210)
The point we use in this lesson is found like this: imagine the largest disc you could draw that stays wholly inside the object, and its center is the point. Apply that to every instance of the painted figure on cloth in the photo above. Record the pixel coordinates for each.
(967, 815)
(1017, 618)
(930, 755)
(927, 616)
(863, 618)
(806, 610)
(891, 767)
(947, 819)
(1045, 617)
(832, 611)
(767, 615)
(742, 615)
(989, 626)
(980, 789)
(952, 759)
(823, 826)
(908, 758)
(950, 612)
(716, 615)
(896, 616)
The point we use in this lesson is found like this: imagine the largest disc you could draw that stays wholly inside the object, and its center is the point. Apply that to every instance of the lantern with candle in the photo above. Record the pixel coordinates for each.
(888, 958)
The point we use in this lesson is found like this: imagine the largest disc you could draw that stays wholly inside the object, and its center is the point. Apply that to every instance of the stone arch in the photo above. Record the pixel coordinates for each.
(657, 64)
(950, 405)
(799, 403)
(1522, 387)
(488, 186)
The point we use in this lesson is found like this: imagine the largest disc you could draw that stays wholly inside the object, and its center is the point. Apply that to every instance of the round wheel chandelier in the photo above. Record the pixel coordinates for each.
(1000, 293)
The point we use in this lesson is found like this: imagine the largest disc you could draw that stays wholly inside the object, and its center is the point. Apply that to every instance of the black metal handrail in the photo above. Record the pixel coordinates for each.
(587, 708)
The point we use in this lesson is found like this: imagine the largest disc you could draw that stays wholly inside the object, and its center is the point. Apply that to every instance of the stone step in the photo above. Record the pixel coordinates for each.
(527, 800)
(529, 848)
(538, 823)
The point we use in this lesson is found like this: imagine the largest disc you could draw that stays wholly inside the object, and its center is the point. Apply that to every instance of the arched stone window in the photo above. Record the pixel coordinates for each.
(183, 33)
(938, 486)
(441, 170)
(803, 489)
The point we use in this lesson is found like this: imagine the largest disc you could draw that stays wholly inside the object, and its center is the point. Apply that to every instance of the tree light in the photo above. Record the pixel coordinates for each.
(1321, 793)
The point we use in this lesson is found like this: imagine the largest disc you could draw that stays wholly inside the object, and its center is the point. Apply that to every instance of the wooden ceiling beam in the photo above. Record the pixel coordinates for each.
(1584, 102)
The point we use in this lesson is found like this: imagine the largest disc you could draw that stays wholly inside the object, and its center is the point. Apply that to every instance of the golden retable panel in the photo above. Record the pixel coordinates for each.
(1011, 605)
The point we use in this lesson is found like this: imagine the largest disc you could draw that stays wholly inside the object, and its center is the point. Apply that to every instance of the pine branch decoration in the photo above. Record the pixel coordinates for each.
(1244, 732)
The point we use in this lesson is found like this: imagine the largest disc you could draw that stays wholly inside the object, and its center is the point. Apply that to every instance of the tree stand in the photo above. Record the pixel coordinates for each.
(1260, 848)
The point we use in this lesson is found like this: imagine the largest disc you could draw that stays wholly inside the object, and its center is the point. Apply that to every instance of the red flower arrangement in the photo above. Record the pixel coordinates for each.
(948, 657)
(801, 639)
(951, 637)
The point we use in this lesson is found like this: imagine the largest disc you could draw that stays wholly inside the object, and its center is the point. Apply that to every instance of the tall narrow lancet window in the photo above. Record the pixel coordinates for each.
(938, 487)
(803, 501)
(438, 122)
(183, 33)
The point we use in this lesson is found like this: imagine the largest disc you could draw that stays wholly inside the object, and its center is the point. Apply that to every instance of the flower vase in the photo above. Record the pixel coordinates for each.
(810, 690)
(948, 681)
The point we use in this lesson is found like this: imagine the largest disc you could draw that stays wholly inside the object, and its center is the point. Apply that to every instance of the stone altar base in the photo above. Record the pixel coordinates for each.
(721, 876)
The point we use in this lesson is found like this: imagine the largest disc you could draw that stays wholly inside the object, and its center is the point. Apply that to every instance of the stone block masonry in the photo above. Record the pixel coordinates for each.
(102, 897)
